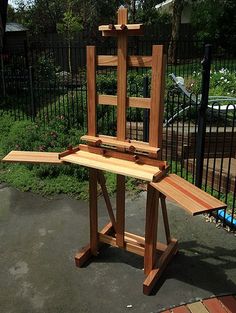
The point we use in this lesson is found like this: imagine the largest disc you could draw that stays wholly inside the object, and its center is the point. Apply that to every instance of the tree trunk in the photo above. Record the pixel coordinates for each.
(178, 6)
(69, 56)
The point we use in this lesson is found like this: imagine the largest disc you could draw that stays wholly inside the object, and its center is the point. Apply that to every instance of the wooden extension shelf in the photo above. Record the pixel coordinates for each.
(191, 198)
(114, 165)
(32, 157)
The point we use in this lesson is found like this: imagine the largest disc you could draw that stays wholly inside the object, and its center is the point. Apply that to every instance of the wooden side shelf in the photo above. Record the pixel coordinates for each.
(192, 199)
(33, 157)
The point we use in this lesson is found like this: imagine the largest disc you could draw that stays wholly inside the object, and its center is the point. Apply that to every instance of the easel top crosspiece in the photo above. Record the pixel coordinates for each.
(121, 147)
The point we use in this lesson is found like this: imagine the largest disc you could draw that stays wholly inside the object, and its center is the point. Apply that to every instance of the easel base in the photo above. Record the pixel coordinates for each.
(135, 244)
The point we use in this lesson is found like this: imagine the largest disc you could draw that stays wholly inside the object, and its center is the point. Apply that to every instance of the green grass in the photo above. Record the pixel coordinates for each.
(46, 179)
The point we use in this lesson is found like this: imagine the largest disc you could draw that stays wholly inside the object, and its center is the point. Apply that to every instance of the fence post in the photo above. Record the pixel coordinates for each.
(31, 93)
(201, 134)
(146, 111)
(3, 77)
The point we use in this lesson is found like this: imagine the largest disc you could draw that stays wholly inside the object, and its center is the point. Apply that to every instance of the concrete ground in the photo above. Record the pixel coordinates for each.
(39, 237)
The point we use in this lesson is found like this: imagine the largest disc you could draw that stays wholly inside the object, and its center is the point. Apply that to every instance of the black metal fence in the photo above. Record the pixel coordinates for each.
(38, 85)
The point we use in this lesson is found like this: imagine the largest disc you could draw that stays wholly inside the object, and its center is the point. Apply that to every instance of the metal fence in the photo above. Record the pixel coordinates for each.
(36, 84)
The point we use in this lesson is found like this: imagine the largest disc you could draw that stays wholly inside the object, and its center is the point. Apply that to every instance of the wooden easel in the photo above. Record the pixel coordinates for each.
(128, 158)
(114, 233)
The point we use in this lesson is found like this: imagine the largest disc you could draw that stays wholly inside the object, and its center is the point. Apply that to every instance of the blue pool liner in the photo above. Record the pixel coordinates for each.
(224, 215)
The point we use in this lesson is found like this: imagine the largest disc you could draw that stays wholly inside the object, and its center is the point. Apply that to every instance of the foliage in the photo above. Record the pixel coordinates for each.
(215, 20)
(45, 179)
(69, 108)
(45, 69)
(222, 83)
(107, 83)
(26, 135)
(148, 14)
(68, 27)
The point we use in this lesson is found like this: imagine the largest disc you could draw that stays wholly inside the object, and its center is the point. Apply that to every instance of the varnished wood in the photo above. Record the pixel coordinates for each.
(114, 33)
(91, 88)
(85, 254)
(165, 218)
(122, 16)
(68, 152)
(112, 141)
(93, 214)
(132, 102)
(102, 182)
(133, 60)
(193, 199)
(157, 270)
(134, 248)
(120, 211)
(113, 165)
(139, 61)
(151, 229)
(32, 157)
(108, 152)
(157, 105)
(122, 76)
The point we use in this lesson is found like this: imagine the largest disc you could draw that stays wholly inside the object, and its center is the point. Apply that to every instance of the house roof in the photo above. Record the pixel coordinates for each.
(15, 27)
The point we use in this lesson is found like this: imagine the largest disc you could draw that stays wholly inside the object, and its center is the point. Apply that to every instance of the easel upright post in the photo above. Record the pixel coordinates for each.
(122, 42)
(91, 87)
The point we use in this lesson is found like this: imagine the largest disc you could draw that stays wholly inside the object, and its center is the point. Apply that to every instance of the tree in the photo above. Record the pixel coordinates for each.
(147, 13)
(11, 13)
(68, 27)
(178, 6)
(215, 20)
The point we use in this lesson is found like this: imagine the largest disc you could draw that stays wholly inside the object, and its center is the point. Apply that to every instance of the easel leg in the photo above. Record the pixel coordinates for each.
(120, 211)
(165, 218)
(102, 182)
(93, 178)
(151, 229)
(154, 268)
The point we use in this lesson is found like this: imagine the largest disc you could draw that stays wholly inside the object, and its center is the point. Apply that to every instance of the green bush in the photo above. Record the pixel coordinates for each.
(45, 179)
(71, 108)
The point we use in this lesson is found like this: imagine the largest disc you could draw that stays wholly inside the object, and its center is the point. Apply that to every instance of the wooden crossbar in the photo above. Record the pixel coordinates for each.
(115, 33)
(133, 61)
(137, 158)
(112, 141)
(131, 102)
(120, 27)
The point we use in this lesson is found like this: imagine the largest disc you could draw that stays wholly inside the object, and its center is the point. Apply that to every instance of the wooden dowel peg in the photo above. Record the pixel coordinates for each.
(123, 26)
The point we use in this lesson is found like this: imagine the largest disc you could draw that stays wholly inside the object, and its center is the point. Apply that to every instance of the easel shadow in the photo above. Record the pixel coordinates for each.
(205, 269)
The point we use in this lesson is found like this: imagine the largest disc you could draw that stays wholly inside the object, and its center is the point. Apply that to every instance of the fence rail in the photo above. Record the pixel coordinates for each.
(37, 85)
